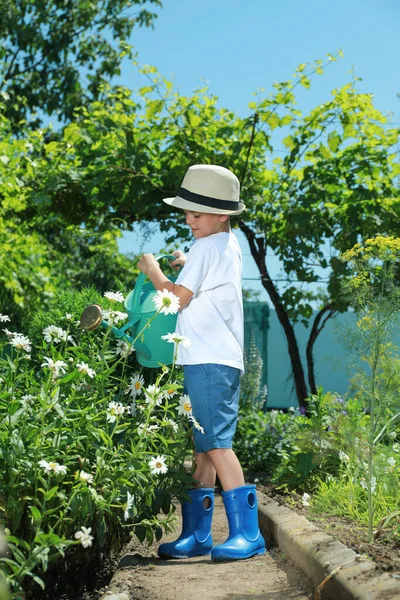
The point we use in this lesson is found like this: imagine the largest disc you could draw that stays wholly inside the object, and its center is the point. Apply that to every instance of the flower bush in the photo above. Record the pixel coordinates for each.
(90, 451)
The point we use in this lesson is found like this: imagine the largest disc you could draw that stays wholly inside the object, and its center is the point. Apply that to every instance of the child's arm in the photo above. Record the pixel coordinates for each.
(150, 267)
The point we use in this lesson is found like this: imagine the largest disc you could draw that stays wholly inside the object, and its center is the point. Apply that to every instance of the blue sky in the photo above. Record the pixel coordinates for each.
(237, 46)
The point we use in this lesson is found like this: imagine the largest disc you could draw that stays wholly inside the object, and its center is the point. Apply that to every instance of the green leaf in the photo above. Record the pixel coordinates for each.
(305, 81)
(158, 500)
(40, 199)
(334, 141)
(37, 515)
(153, 108)
(194, 119)
(140, 533)
(145, 90)
(50, 493)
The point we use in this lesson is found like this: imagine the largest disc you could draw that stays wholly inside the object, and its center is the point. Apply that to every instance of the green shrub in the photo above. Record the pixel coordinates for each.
(88, 451)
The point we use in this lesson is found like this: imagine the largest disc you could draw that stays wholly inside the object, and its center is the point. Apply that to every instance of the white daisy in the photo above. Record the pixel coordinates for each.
(84, 368)
(86, 477)
(166, 302)
(26, 400)
(114, 410)
(185, 406)
(124, 349)
(54, 334)
(114, 296)
(170, 391)
(84, 536)
(69, 316)
(20, 342)
(135, 386)
(149, 429)
(4, 318)
(154, 393)
(114, 316)
(54, 467)
(172, 424)
(305, 499)
(56, 367)
(128, 505)
(8, 332)
(364, 483)
(157, 465)
(196, 424)
(177, 338)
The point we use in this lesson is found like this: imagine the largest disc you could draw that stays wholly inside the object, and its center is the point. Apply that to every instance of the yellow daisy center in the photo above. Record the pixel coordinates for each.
(138, 385)
(158, 465)
(166, 301)
(187, 406)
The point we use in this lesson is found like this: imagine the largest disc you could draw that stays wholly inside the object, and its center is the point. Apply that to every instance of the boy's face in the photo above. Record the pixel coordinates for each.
(204, 224)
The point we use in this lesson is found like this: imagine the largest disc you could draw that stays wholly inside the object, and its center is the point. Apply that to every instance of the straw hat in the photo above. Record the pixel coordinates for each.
(209, 189)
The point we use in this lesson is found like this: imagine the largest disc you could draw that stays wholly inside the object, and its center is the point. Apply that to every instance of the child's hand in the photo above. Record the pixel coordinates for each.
(180, 260)
(147, 263)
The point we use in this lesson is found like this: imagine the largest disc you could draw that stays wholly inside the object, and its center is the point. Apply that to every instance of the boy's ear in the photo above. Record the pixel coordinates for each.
(223, 218)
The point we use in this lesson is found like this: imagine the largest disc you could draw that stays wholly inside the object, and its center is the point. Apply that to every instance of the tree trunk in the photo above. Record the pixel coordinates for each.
(258, 251)
(317, 327)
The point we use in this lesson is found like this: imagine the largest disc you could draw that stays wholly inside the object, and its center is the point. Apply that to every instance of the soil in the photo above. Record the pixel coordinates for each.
(385, 553)
(144, 576)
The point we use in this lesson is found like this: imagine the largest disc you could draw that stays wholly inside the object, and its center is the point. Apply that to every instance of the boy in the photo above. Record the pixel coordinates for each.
(211, 316)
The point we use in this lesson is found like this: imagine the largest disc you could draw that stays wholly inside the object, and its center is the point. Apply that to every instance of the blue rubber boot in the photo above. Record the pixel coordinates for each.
(245, 539)
(195, 539)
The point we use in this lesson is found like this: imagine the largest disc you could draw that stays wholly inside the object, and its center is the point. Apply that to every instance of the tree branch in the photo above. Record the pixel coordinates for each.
(318, 325)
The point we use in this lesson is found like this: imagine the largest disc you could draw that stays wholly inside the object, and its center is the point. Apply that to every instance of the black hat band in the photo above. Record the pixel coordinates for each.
(207, 200)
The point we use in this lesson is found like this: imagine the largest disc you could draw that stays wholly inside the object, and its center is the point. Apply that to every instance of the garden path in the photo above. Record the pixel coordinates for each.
(144, 576)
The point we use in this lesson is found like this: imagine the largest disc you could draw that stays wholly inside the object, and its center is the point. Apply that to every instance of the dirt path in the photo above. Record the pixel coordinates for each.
(143, 576)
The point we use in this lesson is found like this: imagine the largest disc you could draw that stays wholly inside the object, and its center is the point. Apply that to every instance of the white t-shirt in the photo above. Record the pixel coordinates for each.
(213, 319)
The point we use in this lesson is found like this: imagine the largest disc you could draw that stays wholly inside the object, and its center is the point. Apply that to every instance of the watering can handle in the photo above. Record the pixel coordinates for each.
(140, 281)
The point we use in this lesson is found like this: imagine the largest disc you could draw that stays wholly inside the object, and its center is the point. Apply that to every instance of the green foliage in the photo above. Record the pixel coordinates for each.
(312, 450)
(261, 438)
(78, 402)
(46, 47)
(251, 393)
(35, 265)
(338, 180)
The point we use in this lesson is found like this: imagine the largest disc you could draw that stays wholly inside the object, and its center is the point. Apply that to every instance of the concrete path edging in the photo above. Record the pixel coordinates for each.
(349, 575)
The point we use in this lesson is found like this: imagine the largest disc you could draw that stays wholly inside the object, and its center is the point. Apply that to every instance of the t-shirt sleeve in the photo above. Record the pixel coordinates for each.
(195, 271)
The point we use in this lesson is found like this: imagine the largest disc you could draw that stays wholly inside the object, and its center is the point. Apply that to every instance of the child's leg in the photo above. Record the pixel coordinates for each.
(227, 466)
(205, 472)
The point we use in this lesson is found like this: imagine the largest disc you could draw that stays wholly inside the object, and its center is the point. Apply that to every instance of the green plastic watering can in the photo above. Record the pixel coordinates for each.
(151, 350)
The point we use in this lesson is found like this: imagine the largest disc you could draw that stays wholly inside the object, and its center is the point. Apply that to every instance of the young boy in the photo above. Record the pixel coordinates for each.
(211, 316)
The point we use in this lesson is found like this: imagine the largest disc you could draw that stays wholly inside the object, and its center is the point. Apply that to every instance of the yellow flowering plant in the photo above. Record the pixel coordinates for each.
(373, 291)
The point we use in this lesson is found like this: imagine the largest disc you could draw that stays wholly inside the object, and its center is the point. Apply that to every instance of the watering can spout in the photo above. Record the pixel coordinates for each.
(92, 318)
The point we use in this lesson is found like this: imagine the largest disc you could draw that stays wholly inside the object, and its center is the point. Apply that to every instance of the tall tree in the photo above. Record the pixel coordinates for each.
(56, 54)
(335, 183)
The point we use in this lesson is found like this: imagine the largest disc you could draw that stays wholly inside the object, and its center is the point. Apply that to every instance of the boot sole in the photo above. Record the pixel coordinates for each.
(258, 552)
(167, 556)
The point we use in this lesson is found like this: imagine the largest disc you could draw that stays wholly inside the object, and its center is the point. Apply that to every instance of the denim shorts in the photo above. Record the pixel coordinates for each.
(214, 394)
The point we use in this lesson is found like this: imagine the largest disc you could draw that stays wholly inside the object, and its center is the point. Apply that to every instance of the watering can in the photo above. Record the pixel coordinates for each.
(151, 350)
